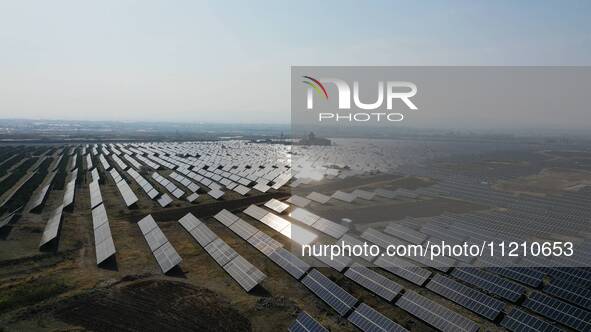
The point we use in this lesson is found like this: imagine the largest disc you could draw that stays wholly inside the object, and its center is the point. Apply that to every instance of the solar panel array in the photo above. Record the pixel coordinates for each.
(171, 187)
(465, 296)
(269, 247)
(246, 274)
(435, 314)
(143, 183)
(333, 295)
(368, 319)
(305, 323)
(571, 293)
(161, 248)
(557, 310)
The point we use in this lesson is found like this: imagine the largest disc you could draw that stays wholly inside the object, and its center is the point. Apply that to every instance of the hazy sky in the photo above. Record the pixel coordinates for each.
(229, 61)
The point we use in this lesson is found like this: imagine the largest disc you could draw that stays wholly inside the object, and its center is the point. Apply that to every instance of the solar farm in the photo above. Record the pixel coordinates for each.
(205, 235)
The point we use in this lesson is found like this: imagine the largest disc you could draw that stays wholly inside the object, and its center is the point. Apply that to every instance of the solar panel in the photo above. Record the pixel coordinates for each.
(289, 262)
(261, 187)
(576, 295)
(255, 212)
(220, 251)
(298, 234)
(304, 216)
(405, 233)
(215, 193)
(329, 292)
(226, 217)
(189, 222)
(330, 228)
(489, 282)
(95, 194)
(165, 254)
(524, 275)
(128, 196)
(242, 190)
(465, 296)
(403, 269)
(99, 216)
(246, 274)
(435, 314)
(343, 196)
(298, 201)
(520, 321)
(338, 263)
(164, 200)
(557, 310)
(305, 323)
(155, 238)
(69, 195)
(203, 234)
(167, 257)
(276, 205)
(275, 222)
(147, 224)
(243, 229)
(52, 227)
(264, 243)
(368, 319)
(373, 281)
(318, 197)
(191, 198)
(104, 250)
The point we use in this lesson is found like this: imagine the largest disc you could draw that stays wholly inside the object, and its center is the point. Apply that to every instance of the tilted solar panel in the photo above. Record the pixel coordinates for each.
(403, 269)
(489, 282)
(329, 292)
(435, 314)
(289, 262)
(574, 294)
(373, 281)
(220, 251)
(520, 321)
(562, 312)
(246, 274)
(369, 320)
(305, 323)
(465, 296)
(243, 229)
(226, 217)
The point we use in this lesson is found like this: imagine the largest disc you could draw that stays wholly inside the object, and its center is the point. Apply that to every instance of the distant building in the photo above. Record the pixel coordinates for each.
(313, 140)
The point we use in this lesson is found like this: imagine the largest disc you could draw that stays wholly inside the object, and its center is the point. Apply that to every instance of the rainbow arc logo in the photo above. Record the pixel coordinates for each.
(316, 85)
